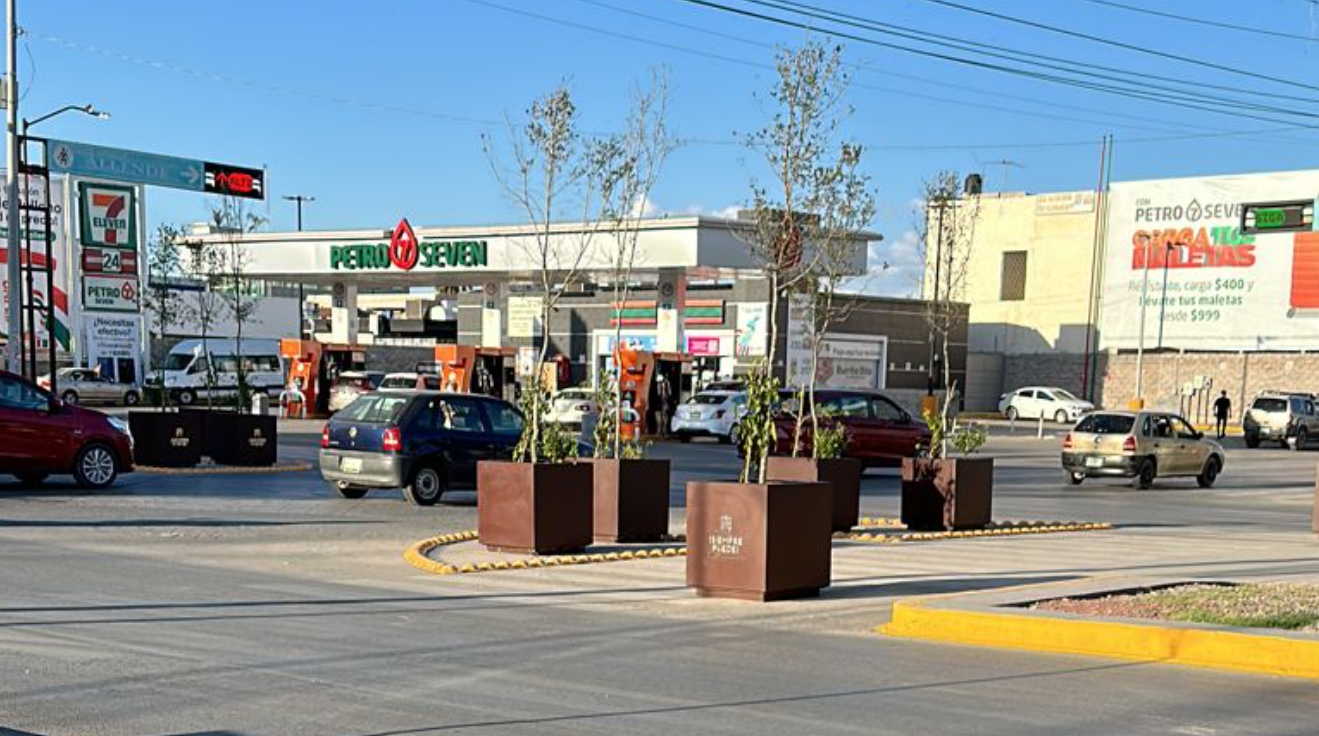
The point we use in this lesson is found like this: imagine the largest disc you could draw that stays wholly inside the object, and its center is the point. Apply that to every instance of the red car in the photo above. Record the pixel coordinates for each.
(879, 432)
(44, 436)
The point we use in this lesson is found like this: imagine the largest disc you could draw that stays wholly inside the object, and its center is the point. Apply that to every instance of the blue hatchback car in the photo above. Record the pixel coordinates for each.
(424, 442)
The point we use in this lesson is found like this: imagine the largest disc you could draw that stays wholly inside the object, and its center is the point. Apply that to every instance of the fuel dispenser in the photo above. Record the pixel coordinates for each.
(313, 366)
(469, 369)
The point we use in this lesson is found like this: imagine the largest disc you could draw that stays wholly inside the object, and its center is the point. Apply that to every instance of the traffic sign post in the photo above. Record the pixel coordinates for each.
(1278, 217)
(153, 169)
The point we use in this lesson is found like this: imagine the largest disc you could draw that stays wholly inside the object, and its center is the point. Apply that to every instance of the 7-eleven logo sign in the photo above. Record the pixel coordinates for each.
(107, 216)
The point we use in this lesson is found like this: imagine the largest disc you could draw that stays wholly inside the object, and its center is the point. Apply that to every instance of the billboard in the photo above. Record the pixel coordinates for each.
(1225, 290)
(48, 241)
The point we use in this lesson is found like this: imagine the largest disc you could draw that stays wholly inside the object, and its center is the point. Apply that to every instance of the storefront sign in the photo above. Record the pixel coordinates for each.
(752, 329)
(109, 293)
(404, 252)
(1064, 203)
(524, 316)
(108, 215)
(703, 346)
(109, 260)
(1226, 290)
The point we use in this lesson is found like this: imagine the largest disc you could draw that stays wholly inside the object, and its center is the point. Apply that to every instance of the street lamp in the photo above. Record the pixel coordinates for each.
(1140, 340)
(84, 109)
(1163, 302)
(300, 198)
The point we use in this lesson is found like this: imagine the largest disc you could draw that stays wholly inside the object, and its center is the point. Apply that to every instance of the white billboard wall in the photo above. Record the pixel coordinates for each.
(1225, 290)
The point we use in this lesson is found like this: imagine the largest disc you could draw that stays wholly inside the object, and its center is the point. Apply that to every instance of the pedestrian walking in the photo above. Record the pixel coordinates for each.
(1222, 410)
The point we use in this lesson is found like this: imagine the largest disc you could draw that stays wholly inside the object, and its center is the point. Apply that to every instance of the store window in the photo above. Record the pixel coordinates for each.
(1013, 285)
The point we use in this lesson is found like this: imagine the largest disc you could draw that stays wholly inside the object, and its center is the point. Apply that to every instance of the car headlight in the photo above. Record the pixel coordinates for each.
(119, 425)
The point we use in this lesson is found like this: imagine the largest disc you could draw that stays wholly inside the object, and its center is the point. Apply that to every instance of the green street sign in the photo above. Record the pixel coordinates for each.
(1278, 217)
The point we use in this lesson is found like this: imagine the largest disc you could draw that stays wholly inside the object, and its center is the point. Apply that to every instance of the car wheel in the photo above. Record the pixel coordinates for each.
(1013, 413)
(32, 479)
(1145, 475)
(1252, 441)
(733, 433)
(348, 491)
(95, 466)
(1060, 417)
(1301, 438)
(426, 486)
(131, 398)
(1076, 478)
(1210, 473)
(69, 397)
(187, 397)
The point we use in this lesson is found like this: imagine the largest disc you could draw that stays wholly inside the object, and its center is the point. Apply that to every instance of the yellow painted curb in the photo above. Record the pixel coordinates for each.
(224, 469)
(418, 555)
(1212, 648)
(997, 529)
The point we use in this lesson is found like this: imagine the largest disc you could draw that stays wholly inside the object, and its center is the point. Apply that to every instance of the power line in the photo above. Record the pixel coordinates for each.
(1203, 21)
(1180, 101)
(1118, 44)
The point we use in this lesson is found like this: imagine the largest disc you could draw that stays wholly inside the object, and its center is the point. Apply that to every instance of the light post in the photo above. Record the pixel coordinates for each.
(299, 199)
(1140, 339)
(84, 109)
(1163, 302)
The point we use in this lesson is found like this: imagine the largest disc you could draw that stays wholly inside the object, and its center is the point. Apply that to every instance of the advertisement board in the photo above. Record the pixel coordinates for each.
(109, 216)
(109, 293)
(752, 329)
(524, 316)
(47, 239)
(1226, 290)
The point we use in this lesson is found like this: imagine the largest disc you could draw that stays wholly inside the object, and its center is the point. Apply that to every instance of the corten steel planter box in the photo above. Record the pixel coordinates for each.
(1314, 523)
(843, 474)
(631, 499)
(166, 439)
(239, 439)
(539, 508)
(954, 493)
(758, 541)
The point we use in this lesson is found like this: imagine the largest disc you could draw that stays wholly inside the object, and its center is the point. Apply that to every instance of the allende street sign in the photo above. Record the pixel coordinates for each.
(152, 169)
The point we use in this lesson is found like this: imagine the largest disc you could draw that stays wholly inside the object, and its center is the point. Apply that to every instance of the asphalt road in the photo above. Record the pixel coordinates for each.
(262, 604)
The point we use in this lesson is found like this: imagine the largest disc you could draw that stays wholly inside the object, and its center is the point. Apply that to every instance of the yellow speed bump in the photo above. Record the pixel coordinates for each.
(418, 553)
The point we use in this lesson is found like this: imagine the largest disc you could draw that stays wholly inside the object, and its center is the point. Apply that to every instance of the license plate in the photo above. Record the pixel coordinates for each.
(1094, 462)
(1265, 432)
(350, 464)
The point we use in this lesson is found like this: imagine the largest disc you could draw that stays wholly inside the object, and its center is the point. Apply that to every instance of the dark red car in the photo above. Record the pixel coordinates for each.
(42, 436)
(879, 432)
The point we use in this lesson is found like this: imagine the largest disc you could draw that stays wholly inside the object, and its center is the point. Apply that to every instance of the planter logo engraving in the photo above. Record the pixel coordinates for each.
(179, 439)
(725, 542)
(257, 439)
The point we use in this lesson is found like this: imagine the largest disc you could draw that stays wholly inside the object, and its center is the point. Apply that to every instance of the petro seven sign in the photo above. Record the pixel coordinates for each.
(404, 252)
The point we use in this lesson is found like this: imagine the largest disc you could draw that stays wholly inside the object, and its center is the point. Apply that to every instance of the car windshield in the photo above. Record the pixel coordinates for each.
(709, 399)
(1107, 424)
(177, 361)
(399, 382)
(374, 408)
(1064, 395)
(361, 382)
(574, 396)
(1270, 405)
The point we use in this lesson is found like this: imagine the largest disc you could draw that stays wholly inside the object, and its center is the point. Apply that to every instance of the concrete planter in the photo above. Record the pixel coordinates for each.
(953, 493)
(842, 474)
(538, 508)
(631, 499)
(166, 439)
(758, 541)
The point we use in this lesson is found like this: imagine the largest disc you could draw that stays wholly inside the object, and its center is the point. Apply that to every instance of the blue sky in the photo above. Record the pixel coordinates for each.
(377, 109)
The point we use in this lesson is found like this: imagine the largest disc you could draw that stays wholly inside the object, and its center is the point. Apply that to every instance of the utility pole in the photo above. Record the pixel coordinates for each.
(15, 218)
(299, 199)
(941, 204)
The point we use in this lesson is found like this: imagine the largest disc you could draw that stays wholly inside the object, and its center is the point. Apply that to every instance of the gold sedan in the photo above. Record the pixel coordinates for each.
(1140, 445)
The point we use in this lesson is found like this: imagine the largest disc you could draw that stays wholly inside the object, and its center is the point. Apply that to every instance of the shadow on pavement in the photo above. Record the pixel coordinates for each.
(937, 586)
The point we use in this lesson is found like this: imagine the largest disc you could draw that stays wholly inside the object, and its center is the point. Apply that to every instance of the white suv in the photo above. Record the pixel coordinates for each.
(1044, 402)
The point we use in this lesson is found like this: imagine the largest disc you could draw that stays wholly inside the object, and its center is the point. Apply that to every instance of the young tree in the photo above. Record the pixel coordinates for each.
(798, 147)
(548, 175)
(946, 230)
(159, 298)
(844, 203)
(231, 219)
(627, 166)
(203, 264)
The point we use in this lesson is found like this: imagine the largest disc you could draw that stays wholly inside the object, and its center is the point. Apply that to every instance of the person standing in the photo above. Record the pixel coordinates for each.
(1222, 410)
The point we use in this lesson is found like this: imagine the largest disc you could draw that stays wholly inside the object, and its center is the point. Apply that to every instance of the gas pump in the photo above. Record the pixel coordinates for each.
(652, 383)
(476, 370)
(313, 366)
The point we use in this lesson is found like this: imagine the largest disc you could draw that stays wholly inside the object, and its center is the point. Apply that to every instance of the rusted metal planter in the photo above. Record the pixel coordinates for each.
(953, 493)
(758, 541)
(538, 508)
(1314, 522)
(842, 474)
(631, 499)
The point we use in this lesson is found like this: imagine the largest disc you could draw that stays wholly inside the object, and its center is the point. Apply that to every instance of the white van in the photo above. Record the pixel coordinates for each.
(187, 364)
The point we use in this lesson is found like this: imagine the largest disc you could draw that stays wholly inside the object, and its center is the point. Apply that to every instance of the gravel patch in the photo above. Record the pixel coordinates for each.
(1289, 606)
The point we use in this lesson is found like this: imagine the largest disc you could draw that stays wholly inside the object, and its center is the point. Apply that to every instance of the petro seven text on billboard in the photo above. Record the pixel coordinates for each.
(404, 252)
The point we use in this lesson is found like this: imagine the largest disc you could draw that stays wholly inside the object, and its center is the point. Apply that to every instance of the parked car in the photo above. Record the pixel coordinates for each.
(710, 414)
(731, 384)
(1044, 402)
(1286, 417)
(193, 367)
(879, 432)
(86, 386)
(44, 436)
(423, 442)
(1140, 445)
(573, 408)
(351, 384)
(408, 380)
